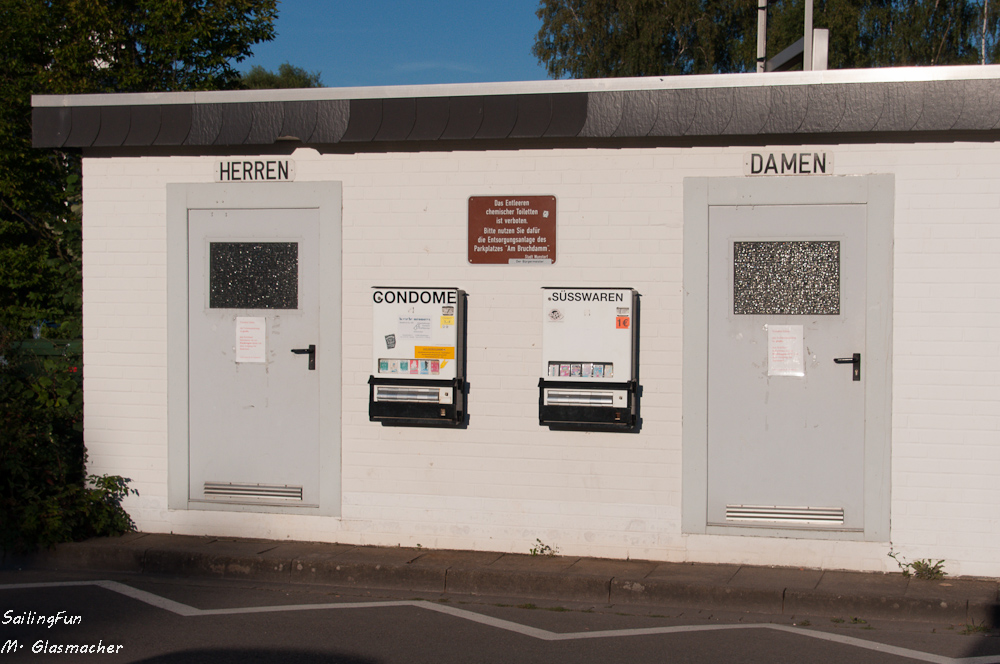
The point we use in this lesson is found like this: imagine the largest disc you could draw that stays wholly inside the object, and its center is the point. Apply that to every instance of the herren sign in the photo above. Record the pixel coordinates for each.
(255, 170)
(512, 230)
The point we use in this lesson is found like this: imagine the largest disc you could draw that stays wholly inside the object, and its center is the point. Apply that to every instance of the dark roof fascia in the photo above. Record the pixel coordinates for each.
(832, 106)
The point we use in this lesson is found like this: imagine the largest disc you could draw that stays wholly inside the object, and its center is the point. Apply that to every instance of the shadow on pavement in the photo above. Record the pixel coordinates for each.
(244, 655)
(991, 644)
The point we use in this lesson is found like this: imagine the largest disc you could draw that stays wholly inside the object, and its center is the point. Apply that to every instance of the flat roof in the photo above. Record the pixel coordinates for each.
(868, 104)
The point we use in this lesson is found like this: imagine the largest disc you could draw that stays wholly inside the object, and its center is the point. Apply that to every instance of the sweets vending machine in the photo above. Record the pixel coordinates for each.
(589, 358)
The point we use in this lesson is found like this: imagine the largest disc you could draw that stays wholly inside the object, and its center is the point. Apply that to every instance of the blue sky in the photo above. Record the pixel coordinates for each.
(392, 42)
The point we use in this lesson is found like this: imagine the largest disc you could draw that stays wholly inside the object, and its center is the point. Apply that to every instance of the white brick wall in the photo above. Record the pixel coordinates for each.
(505, 481)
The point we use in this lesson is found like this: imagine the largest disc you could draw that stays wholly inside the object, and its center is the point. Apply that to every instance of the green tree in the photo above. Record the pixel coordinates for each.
(39, 231)
(603, 38)
(598, 38)
(67, 47)
(288, 76)
(82, 46)
(889, 33)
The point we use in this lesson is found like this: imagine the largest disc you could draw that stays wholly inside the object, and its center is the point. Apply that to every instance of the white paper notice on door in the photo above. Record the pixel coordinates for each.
(250, 335)
(784, 351)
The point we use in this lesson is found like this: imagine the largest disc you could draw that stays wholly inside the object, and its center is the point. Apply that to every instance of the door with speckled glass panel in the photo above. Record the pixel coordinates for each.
(254, 386)
(786, 422)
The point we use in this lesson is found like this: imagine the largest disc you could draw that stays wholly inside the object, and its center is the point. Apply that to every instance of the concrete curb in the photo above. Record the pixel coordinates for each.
(659, 592)
(370, 575)
(875, 607)
(764, 590)
(529, 585)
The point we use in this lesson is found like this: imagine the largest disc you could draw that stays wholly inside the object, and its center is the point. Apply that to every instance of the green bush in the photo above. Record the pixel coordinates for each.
(45, 495)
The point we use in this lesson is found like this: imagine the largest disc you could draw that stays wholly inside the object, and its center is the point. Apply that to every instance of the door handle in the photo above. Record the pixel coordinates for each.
(855, 360)
(311, 352)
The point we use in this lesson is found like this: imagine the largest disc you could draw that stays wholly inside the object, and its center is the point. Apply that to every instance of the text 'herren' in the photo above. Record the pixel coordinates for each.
(255, 170)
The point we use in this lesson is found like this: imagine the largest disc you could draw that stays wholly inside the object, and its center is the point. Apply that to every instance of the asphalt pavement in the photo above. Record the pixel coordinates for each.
(753, 589)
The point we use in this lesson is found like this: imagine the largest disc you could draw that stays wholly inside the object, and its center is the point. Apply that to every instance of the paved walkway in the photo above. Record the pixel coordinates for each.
(772, 590)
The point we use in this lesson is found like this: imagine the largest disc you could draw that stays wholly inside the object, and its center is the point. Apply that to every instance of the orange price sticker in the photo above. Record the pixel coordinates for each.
(621, 322)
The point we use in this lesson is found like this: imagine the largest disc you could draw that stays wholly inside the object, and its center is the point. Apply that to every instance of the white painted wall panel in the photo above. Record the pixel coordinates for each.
(505, 481)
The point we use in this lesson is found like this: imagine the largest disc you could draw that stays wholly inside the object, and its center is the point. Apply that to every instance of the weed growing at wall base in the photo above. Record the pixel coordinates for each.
(922, 568)
(542, 549)
(975, 628)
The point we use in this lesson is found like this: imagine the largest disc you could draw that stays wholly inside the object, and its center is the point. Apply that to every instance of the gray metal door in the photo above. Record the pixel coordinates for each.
(253, 313)
(786, 421)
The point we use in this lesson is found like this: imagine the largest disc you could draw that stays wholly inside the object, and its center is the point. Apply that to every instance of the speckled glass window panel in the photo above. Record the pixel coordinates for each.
(254, 275)
(787, 278)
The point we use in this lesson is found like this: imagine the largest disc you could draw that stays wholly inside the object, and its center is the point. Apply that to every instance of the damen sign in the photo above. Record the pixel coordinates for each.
(788, 163)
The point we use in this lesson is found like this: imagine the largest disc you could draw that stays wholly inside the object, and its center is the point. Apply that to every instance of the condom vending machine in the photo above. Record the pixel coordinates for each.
(418, 376)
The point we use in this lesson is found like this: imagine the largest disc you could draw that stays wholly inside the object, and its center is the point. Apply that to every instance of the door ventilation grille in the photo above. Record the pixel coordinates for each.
(268, 491)
(788, 515)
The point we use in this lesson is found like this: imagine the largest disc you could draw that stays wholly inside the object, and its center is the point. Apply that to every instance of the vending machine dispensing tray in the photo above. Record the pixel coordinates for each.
(429, 403)
(587, 406)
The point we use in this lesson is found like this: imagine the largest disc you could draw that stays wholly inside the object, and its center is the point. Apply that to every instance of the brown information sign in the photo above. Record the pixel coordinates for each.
(512, 230)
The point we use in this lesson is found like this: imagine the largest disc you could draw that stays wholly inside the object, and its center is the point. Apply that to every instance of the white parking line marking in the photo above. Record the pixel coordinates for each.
(499, 623)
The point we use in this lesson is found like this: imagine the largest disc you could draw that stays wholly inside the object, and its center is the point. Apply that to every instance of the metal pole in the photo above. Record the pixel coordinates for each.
(986, 13)
(761, 35)
(807, 44)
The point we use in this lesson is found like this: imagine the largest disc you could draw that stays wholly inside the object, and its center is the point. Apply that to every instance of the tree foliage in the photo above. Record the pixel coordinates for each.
(603, 38)
(45, 497)
(148, 45)
(81, 46)
(288, 76)
(40, 462)
(890, 33)
(597, 38)
(68, 47)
